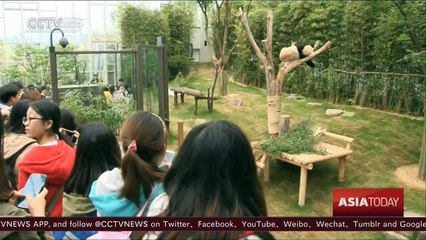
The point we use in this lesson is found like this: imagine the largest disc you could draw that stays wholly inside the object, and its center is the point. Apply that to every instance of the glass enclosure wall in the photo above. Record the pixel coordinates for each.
(150, 71)
(88, 71)
(144, 72)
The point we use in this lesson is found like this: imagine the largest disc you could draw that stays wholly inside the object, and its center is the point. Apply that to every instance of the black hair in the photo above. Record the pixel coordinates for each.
(111, 89)
(18, 111)
(30, 87)
(7, 91)
(67, 120)
(214, 175)
(18, 84)
(49, 110)
(97, 151)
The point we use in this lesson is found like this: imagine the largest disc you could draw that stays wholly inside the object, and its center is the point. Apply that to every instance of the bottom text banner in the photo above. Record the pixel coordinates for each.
(215, 224)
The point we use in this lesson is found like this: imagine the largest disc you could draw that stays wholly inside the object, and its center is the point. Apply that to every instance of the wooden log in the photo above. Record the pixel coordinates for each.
(302, 186)
(308, 166)
(209, 100)
(175, 98)
(339, 137)
(342, 161)
(320, 158)
(188, 91)
(266, 169)
(284, 124)
(290, 157)
(261, 162)
(196, 105)
(260, 165)
(180, 133)
(182, 97)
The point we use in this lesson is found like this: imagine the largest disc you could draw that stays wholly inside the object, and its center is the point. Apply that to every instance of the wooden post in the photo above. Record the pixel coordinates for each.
(209, 100)
(182, 96)
(180, 133)
(175, 98)
(266, 169)
(284, 124)
(302, 185)
(342, 161)
(196, 105)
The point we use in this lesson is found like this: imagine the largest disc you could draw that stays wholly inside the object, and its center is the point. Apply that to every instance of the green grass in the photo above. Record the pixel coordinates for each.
(383, 142)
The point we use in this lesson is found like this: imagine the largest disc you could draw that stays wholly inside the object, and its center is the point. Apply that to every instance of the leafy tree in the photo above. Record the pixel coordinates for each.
(219, 23)
(31, 65)
(171, 22)
(180, 20)
(141, 25)
(246, 66)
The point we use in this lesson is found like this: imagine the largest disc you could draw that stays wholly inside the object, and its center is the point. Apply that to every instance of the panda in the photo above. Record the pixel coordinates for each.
(292, 53)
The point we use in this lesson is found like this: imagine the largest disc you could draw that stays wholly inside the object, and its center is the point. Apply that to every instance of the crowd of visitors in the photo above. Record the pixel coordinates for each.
(89, 174)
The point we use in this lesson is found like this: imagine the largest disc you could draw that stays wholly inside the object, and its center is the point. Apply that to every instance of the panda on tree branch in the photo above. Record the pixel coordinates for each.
(296, 52)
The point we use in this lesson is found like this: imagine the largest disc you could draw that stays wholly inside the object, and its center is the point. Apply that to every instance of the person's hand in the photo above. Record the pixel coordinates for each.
(14, 196)
(5, 112)
(37, 204)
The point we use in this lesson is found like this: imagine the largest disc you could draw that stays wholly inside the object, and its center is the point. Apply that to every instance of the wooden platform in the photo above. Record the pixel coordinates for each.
(198, 95)
(306, 161)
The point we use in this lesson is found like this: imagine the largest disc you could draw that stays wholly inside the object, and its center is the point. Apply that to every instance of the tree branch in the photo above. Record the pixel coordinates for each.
(287, 67)
(411, 31)
(226, 25)
(204, 9)
(259, 54)
(269, 25)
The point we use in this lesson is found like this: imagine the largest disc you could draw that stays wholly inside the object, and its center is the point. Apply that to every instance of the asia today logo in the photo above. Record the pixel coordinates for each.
(368, 202)
(46, 24)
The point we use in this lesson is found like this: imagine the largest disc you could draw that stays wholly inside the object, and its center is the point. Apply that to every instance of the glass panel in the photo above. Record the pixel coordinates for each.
(128, 72)
(81, 9)
(64, 9)
(150, 80)
(97, 19)
(30, 6)
(13, 24)
(47, 5)
(12, 5)
(110, 19)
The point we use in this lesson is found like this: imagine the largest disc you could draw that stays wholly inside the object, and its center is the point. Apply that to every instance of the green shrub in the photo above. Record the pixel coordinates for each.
(89, 107)
(296, 141)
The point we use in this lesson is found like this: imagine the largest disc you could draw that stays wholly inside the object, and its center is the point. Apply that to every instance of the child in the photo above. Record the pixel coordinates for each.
(122, 192)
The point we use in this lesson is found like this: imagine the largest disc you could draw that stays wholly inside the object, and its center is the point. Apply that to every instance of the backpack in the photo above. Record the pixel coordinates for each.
(125, 235)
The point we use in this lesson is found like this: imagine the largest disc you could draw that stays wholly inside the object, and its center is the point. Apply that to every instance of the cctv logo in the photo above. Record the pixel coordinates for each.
(368, 202)
(45, 24)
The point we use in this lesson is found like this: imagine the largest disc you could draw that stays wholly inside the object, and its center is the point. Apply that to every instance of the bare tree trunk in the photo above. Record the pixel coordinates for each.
(218, 43)
(274, 85)
(223, 82)
(273, 89)
(216, 76)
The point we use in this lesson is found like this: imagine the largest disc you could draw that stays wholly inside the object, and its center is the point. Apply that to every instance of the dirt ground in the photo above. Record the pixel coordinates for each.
(408, 176)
